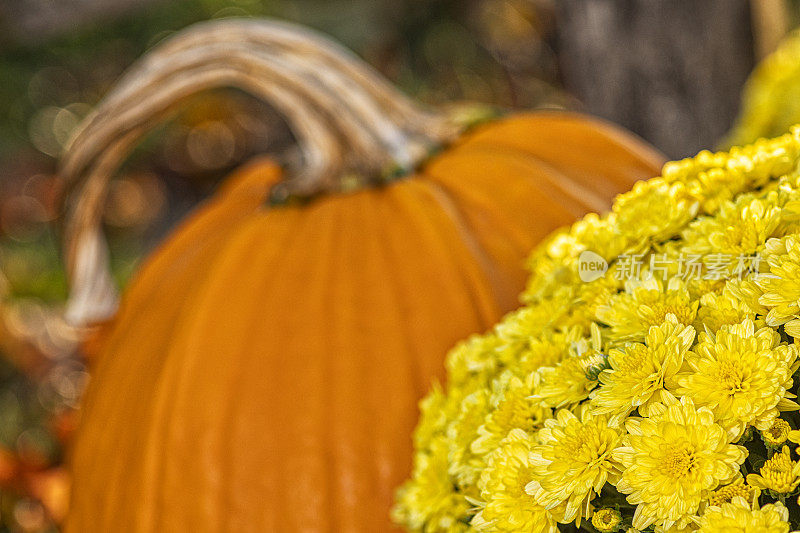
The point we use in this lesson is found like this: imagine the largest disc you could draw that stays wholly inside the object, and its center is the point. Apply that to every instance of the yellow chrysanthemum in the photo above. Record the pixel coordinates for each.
(571, 380)
(548, 265)
(688, 528)
(771, 99)
(781, 288)
(679, 463)
(785, 194)
(474, 359)
(748, 291)
(742, 375)
(526, 346)
(717, 310)
(589, 296)
(551, 310)
(707, 177)
(433, 417)
(739, 229)
(779, 473)
(739, 517)
(507, 506)
(715, 187)
(607, 520)
(644, 304)
(639, 371)
(514, 407)
(701, 275)
(565, 309)
(777, 433)
(601, 232)
(573, 463)
(737, 489)
(465, 465)
(672, 460)
(429, 500)
(654, 210)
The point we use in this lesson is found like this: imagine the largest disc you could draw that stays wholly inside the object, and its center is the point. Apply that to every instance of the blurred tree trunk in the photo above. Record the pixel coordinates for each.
(670, 70)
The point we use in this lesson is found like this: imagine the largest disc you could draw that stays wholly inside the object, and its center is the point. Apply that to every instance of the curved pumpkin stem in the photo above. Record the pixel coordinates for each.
(346, 118)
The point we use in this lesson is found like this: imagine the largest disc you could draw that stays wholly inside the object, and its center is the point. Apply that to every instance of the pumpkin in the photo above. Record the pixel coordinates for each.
(262, 370)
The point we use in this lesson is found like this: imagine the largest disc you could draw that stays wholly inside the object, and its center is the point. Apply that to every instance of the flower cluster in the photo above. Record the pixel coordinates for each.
(771, 99)
(648, 404)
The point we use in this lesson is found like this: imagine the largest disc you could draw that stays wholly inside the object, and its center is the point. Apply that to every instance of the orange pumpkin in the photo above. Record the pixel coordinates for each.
(263, 369)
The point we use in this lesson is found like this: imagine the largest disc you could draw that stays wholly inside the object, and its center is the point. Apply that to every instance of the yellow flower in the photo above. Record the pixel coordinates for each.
(488, 443)
(433, 417)
(765, 159)
(639, 371)
(550, 264)
(717, 310)
(738, 489)
(777, 433)
(689, 528)
(739, 517)
(738, 229)
(465, 466)
(507, 506)
(573, 463)
(571, 380)
(748, 291)
(514, 407)
(428, 501)
(549, 312)
(742, 375)
(645, 304)
(779, 474)
(782, 286)
(472, 359)
(593, 294)
(672, 460)
(526, 346)
(771, 95)
(688, 169)
(715, 187)
(654, 210)
(607, 520)
(606, 240)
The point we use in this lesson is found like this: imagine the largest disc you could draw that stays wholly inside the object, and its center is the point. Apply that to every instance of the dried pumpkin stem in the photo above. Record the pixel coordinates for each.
(346, 118)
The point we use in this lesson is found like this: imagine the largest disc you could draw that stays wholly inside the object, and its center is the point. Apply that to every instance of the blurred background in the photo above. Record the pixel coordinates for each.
(670, 70)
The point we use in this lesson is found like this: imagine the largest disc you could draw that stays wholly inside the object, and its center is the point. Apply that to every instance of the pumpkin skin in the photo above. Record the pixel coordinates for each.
(263, 369)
